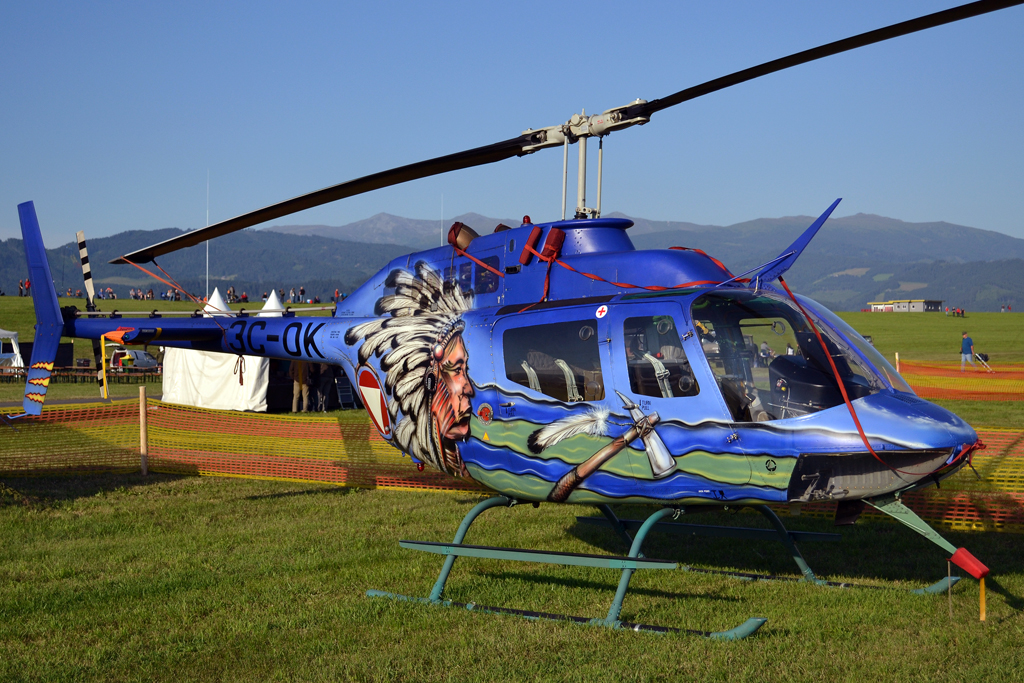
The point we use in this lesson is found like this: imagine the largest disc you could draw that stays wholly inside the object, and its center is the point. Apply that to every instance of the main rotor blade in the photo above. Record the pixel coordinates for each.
(515, 146)
(421, 169)
(876, 36)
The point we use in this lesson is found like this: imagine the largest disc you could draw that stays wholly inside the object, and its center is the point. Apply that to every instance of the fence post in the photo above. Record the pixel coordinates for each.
(143, 431)
(897, 361)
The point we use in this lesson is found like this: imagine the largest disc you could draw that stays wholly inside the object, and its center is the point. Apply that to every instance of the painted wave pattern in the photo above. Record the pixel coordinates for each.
(497, 455)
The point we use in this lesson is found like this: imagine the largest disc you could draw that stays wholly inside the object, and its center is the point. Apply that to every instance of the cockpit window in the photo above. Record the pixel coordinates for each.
(560, 360)
(486, 281)
(767, 360)
(655, 359)
(462, 274)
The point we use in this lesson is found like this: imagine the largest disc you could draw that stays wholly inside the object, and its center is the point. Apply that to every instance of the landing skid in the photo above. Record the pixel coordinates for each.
(628, 564)
(938, 587)
(788, 538)
(623, 527)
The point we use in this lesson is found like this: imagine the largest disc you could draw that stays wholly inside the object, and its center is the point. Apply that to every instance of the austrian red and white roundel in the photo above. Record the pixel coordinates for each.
(373, 398)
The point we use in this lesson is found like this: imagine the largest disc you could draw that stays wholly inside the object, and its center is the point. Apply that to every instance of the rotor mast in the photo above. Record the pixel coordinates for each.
(578, 129)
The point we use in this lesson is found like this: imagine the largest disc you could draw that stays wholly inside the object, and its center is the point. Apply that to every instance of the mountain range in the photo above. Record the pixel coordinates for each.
(853, 260)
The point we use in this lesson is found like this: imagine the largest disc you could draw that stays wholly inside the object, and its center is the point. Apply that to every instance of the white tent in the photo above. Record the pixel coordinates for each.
(11, 360)
(210, 380)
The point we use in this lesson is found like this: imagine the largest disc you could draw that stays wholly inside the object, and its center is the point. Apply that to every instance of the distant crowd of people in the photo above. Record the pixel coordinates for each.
(140, 295)
(294, 296)
(298, 296)
(959, 312)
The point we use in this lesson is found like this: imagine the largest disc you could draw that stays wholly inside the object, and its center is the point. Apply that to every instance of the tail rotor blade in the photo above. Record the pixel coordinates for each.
(90, 293)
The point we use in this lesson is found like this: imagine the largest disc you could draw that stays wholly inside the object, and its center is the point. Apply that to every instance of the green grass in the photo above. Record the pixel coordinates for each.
(933, 336)
(196, 579)
(61, 391)
(207, 579)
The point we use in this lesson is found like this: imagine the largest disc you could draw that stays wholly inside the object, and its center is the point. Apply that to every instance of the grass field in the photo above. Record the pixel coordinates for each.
(211, 579)
(206, 579)
(934, 336)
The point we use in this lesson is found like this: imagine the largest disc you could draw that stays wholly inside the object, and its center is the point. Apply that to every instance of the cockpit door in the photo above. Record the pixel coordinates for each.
(553, 381)
(658, 367)
(657, 362)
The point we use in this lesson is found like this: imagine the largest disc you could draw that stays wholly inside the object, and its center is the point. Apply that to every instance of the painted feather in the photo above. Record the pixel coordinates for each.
(593, 422)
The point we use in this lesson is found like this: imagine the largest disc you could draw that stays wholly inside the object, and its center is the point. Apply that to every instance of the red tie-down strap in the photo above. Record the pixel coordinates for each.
(174, 284)
(551, 252)
(552, 249)
(453, 237)
(704, 253)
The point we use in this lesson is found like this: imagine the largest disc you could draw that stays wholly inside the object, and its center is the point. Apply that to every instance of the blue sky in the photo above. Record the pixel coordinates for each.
(113, 113)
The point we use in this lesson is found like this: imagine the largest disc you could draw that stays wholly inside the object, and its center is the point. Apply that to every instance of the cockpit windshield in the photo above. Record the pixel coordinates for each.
(862, 344)
(767, 360)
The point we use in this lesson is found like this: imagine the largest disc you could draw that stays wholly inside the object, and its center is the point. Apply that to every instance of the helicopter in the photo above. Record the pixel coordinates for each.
(555, 363)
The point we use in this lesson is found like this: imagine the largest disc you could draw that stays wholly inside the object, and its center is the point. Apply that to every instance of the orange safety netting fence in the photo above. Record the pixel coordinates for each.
(344, 450)
(347, 451)
(945, 381)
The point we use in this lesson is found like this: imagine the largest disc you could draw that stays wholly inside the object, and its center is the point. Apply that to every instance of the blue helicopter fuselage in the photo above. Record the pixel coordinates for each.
(646, 373)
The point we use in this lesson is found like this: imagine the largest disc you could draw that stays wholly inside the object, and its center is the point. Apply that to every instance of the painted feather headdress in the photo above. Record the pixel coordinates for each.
(423, 310)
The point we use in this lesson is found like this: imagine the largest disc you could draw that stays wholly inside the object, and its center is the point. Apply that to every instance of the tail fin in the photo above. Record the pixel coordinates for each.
(780, 265)
(49, 323)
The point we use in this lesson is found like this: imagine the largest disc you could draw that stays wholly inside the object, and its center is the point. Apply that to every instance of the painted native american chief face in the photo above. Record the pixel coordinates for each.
(426, 364)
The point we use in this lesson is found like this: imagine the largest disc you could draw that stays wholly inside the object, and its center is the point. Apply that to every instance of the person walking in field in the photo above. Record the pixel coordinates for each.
(967, 352)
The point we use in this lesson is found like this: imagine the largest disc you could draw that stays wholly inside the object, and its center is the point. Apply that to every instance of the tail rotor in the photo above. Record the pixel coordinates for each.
(90, 305)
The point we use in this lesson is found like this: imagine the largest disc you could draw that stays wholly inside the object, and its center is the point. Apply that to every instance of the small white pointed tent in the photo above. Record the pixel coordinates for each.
(11, 360)
(210, 380)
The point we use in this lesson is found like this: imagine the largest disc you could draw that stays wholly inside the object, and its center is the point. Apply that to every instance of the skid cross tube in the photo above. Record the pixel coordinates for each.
(786, 537)
(634, 551)
(635, 560)
(435, 594)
